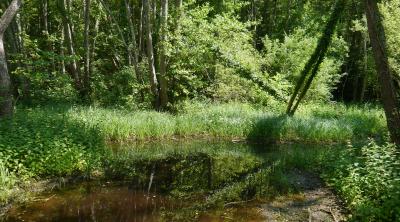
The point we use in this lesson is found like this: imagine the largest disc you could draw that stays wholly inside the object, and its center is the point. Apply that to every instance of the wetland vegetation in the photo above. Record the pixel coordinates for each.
(199, 110)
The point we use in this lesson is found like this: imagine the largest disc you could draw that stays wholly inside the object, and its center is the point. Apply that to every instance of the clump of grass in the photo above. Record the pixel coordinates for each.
(7, 182)
(313, 123)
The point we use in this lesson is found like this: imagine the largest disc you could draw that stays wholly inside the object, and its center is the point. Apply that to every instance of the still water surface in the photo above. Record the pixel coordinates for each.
(157, 182)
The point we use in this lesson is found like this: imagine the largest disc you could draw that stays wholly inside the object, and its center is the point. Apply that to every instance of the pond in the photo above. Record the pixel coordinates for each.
(192, 181)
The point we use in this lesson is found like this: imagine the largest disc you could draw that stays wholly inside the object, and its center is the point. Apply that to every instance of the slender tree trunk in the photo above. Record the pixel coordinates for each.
(141, 35)
(150, 54)
(133, 46)
(45, 13)
(6, 98)
(287, 23)
(388, 95)
(62, 52)
(93, 45)
(119, 30)
(365, 69)
(86, 77)
(73, 68)
(163, 56)
(179, 4)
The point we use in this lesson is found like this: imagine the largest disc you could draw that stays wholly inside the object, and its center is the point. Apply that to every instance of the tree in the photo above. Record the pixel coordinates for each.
(6, 106)
(163, 56)
(86, 77)
(316, 59)
(133, 45)
(150, 54)
(73, 66)
(388, 94)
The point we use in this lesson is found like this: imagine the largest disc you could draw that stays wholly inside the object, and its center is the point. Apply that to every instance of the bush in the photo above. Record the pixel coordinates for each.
(368, 179)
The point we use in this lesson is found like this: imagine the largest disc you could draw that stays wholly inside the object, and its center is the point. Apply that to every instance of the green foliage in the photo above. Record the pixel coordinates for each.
(120, 89)
(35, 76)
(287, 59)
(391, 13)
(368, 179)
(43, 142)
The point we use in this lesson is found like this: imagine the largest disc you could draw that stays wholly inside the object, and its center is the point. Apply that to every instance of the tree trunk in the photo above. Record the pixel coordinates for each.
(150, 54)
(45, 13)
(73, 68)
(133, 46)
(6, 99)
(119, 30)
(316, 59)
(163, 56)
(141, 35)
(86, 77)
(93, 46)
(179, 4)
(62, 52)
(388, 95)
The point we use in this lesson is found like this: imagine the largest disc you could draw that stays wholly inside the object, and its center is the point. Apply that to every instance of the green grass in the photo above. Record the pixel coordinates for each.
(7, 182)
(313, 123)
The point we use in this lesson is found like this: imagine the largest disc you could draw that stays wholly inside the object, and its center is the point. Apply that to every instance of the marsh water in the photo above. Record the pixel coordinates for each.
(179, 181)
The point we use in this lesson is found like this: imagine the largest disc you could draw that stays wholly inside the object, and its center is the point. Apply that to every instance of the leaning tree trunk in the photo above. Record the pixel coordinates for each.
(388, 94)
(6, 106)
(150, 54)
(315, 60)
(163, 56)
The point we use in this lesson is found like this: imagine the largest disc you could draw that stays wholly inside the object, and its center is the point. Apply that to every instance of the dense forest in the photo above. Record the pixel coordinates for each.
(80, 76)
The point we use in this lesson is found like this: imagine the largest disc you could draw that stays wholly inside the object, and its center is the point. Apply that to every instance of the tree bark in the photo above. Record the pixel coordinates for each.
(141, 35)
(73, 68)
(150, 54)
(133, 44)
(388, 95)
(178, 4)
(93, 45)
(86, 77)
(6, 98)
(163, 56)
(134, 47)
(45, 13)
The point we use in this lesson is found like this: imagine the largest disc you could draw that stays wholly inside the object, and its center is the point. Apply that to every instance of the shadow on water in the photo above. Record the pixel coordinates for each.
(172, 182)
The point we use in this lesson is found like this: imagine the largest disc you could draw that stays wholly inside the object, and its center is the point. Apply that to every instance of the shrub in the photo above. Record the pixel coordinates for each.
(368, 178)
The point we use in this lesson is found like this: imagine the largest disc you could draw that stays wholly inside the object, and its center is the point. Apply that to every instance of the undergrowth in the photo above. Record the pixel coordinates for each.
(59, 141)
(368, 179)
